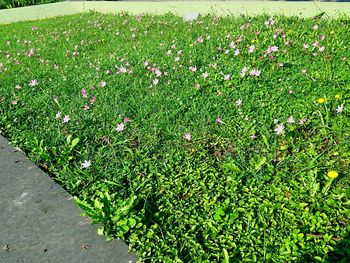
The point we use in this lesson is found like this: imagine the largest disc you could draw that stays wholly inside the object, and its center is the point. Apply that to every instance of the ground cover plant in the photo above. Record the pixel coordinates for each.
(225, 139)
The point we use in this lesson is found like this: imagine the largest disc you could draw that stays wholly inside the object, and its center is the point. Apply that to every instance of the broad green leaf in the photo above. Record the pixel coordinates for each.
(231, 166)
(74, 142)
(260, 163)
(226, 256)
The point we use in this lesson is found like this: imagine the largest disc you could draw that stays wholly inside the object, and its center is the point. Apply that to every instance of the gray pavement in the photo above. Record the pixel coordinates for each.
(39, 221)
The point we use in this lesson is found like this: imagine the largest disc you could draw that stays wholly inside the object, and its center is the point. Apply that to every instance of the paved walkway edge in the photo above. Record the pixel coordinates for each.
(302, 9)
(39, 221)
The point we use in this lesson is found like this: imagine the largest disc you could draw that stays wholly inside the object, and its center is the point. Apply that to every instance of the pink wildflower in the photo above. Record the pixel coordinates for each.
(120, 127)
(279, 129)
(92, 100)
(187, 137)
(193, 69)
(218, 120)
(83, 92)
(243, 71)
(291, 120)
(66, 119)
(126, 120)
(33, 83)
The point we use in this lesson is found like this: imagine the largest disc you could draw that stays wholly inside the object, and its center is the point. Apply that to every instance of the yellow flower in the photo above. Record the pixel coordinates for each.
(335, 153)
(253, 41)
(321, 100)
(332, 32)
(332, 174)
(337, 96)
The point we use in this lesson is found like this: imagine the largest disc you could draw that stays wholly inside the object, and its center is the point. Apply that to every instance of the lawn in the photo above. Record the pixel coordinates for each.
(222, 140)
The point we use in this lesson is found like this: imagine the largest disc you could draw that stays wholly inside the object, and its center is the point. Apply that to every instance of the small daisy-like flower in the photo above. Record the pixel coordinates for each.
(243, 71)
(227, 77)
(18, 87)
(332, 174)
(14, 102)
(302, 121)
(253, 137)
(155, 81)
(219, 120)
(255, 73)
(86, 164)
(158, 73)
(321, 49)
(126, 120)
(33, 83)
(86, 107)
(340, 108)
(291, 120)
(279, 129)
(321, 100)
(251, 49)
(66, 119)
(193, 69)
(239, 102)
(273, 49)
(83, 92)
(103, 83)
(236, 52)
(306, 46)
(205, 75)
(315, 27)
(120, 127)
(187, 136)
(58, 114)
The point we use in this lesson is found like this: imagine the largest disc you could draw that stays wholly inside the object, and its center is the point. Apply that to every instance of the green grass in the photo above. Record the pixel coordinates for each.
(236, 191)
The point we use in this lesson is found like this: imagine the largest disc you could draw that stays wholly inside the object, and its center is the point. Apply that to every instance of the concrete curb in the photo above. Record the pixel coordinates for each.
(39, 221)
(302, 9)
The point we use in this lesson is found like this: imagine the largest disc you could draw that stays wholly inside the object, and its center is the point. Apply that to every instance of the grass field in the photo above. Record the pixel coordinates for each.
(222, 140)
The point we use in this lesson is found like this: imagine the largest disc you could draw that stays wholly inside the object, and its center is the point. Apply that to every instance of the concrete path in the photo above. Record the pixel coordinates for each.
(40, 223)
(302, 9)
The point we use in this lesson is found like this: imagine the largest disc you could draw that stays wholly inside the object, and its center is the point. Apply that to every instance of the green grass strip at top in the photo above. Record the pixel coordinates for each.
(302, 9)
